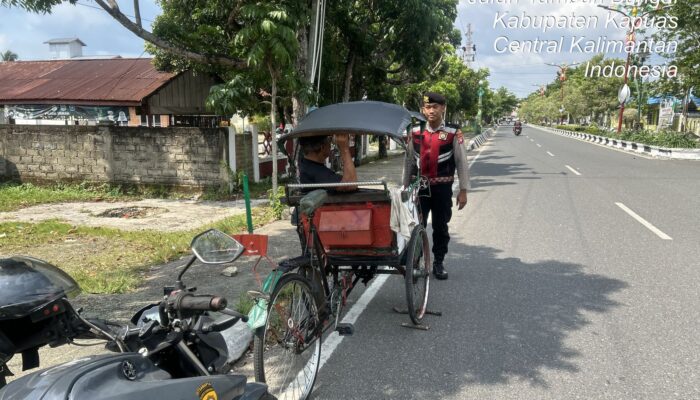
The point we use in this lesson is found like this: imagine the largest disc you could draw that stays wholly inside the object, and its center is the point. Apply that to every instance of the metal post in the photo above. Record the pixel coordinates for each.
(246, 196)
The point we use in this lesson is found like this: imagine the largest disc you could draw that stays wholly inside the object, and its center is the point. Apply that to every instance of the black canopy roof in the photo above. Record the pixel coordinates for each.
(358, 117)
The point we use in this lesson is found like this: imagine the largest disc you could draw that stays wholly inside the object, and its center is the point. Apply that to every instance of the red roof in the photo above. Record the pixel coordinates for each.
(119, 81)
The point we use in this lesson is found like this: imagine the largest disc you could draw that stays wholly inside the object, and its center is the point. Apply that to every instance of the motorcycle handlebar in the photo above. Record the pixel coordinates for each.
(201, 303)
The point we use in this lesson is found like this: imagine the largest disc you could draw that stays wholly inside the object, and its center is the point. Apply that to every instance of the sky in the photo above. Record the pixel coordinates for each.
(521, 72)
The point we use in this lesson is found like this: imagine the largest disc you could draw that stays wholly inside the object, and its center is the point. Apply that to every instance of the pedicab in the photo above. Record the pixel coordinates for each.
(345, 237)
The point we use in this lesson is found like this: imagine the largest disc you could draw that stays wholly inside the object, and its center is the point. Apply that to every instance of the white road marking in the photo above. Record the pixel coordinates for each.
(334, 339)
(573, 170)
(539, 145)
(644, 222)
(479, 153)
(531, 140)
(550, 154)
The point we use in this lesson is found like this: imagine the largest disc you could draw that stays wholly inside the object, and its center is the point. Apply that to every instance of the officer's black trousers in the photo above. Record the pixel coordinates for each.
(440, 205)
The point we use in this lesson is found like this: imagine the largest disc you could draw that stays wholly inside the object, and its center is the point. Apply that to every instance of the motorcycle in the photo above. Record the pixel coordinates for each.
(172, 349)
(517, 130)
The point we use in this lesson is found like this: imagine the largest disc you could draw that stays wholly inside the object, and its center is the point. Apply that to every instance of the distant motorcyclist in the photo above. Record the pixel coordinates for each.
(517, 128)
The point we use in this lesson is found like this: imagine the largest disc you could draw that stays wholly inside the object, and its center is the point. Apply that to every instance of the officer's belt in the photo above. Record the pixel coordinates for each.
(441, 179)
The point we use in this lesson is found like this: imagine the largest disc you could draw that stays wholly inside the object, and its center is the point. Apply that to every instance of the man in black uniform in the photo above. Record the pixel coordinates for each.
(440, 153)
(316, 150)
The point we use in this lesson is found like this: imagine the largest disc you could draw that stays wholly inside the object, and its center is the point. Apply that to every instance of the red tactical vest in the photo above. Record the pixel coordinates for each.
(435, 152)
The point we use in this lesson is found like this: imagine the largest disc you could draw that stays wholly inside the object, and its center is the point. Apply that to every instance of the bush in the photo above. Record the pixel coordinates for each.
(276, 202)
(670, 139)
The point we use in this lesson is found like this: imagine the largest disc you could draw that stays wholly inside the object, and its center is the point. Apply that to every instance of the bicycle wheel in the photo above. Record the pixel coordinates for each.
(287, 350)
(418, 274)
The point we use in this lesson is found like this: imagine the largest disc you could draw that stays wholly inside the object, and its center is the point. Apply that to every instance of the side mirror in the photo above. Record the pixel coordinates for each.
(216, 247)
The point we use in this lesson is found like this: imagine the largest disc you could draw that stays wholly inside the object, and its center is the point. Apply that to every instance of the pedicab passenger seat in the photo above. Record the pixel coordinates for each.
(313, 200)
(352, 224)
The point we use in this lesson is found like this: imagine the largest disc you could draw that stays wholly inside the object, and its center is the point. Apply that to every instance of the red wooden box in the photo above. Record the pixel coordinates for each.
(354, 226)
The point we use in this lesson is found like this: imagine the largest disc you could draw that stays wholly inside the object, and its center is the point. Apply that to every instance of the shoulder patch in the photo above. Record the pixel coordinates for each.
(416, 129)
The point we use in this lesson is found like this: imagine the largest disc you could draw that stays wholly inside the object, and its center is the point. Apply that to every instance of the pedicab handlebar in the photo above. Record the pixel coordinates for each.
(333, 185)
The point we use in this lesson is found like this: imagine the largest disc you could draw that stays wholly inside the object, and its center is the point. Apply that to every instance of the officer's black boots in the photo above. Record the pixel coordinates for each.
(439, 271)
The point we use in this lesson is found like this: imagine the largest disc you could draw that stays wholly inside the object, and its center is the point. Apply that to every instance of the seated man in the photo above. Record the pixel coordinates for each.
(312, 168)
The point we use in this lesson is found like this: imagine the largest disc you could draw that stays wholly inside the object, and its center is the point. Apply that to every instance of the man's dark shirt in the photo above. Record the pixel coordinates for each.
(314, 172)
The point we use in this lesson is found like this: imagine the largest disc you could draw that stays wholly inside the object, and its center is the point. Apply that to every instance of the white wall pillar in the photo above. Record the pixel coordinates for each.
(231, 153)
(254, 148)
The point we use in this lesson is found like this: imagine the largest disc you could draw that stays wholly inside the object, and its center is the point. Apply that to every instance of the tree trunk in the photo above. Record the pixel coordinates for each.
(302, 66)
(348, 76)
(346, 97)
(382, 146)
(273, 121)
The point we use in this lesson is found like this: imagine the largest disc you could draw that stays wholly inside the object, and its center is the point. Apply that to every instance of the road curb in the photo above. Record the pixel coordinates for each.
(629, 147)
(478, 141)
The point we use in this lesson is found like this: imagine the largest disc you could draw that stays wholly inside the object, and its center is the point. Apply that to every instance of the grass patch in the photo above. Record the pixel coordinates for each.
(106, 260)
(15, 195)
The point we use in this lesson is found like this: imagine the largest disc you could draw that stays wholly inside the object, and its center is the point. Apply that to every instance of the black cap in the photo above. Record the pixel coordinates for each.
(312, 140)
(432, 97)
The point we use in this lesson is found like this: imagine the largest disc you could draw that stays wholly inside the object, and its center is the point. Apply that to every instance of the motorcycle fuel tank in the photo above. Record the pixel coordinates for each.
(125, 376)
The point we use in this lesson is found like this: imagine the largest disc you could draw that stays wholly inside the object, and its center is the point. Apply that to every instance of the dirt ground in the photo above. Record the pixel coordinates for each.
(156, 214)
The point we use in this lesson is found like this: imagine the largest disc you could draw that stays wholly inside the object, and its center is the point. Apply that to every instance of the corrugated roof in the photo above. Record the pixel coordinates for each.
(123, 81)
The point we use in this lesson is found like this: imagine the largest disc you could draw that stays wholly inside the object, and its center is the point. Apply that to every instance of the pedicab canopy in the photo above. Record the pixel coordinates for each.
(358, 117)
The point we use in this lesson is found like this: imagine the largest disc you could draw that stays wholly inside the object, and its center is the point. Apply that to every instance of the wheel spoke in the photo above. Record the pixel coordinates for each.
(288, 361)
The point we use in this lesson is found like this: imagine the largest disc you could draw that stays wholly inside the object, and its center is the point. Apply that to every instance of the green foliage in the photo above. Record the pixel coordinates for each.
(276, 202)
(234, 96)
(8, 55)
(37, 6)
(669, 139)
(581, 96)
(687, 56)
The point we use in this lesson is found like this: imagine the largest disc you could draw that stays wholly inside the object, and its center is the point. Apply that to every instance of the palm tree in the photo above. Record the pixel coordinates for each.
(269, 37)
(8, 56)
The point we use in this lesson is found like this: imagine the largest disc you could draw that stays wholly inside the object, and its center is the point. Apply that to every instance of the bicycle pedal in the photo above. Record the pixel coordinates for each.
(345, 329)
(256, 295)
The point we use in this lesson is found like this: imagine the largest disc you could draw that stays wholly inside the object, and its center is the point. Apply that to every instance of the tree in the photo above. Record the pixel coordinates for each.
(8, 55)
(687, 55)
(269, 39)
(112, 8)
(504, 102)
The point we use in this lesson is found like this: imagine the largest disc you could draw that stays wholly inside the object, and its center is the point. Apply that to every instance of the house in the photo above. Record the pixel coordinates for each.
(80, 91)
(671, 113)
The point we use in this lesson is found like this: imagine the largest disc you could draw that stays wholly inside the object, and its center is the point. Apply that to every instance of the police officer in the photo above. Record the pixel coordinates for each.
(438, 149)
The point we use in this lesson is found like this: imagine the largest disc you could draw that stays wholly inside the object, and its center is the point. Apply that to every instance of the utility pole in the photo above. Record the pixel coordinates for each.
(477, 122)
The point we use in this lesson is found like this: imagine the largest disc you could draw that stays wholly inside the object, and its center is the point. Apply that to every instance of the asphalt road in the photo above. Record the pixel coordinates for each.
(574, 274)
